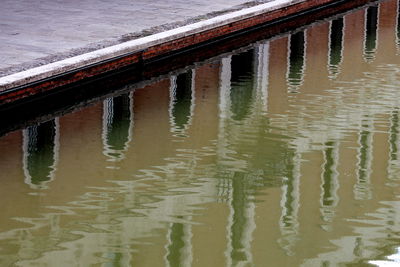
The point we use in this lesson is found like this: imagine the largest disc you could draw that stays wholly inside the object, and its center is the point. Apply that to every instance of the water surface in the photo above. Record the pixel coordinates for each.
(283, 153)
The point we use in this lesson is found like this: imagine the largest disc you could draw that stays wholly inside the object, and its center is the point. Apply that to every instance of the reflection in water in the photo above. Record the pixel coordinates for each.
(398, 25)
(330, 182)
(242, 84)
(117, 125)
(392, 260)
(262, 73)
(179, 245)
(290, 203)
(336, 38)
(182, 100)
(259, 178)
(371, 32)
(296, 67)
(394, 159)
(241, 221)
(362, 188)
(40, 147)
(115, 259)
(269, 163)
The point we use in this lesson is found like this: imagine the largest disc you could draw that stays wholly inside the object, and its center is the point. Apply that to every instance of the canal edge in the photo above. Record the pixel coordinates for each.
(44, 78)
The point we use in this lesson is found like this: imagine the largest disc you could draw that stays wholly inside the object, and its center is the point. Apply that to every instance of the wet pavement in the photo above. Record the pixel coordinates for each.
(40, 32)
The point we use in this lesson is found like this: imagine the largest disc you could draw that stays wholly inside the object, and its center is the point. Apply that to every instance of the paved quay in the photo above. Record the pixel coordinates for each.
(34, 33)
(60, 46)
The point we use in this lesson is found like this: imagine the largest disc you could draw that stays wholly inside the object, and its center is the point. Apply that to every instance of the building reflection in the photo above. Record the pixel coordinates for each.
(271, 169)
(40, 153)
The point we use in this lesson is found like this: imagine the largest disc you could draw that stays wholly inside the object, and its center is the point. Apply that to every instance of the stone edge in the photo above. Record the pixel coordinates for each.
(84, 60)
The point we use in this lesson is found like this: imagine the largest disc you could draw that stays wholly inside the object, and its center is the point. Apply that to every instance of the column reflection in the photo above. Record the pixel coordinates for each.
(330, 183)
(362, 188)
(290, 204)
(394, 159)
(179, 247)
(237, 84)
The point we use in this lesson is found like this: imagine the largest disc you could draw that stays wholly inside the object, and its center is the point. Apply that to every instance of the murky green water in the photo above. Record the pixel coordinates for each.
(284, 153)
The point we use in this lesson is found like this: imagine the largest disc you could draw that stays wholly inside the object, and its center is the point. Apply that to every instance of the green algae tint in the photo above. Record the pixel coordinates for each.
(283, 153)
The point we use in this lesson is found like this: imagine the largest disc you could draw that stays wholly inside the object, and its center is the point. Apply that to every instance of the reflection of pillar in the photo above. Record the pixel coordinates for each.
(225, 87)
(224, 115)
(330, 183)
(290, 204)
(237, 83)
(394, 158)
(182, 99)
(362, 188)
(241, 222)
(40, 153)
(371, 33)
(296, 60)
(262, 68)
(117, 126)
(336, 38)
(242, 84)
(179, 247)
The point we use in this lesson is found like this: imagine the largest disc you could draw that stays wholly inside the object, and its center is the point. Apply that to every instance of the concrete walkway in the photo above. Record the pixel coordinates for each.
(34, 33)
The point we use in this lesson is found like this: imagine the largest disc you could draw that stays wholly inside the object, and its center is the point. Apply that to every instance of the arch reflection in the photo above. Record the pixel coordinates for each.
(371, 33)
(182, 99)
(336, 39)
(117, 125)
(40, 153)
(242, 84)
(296, 67)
